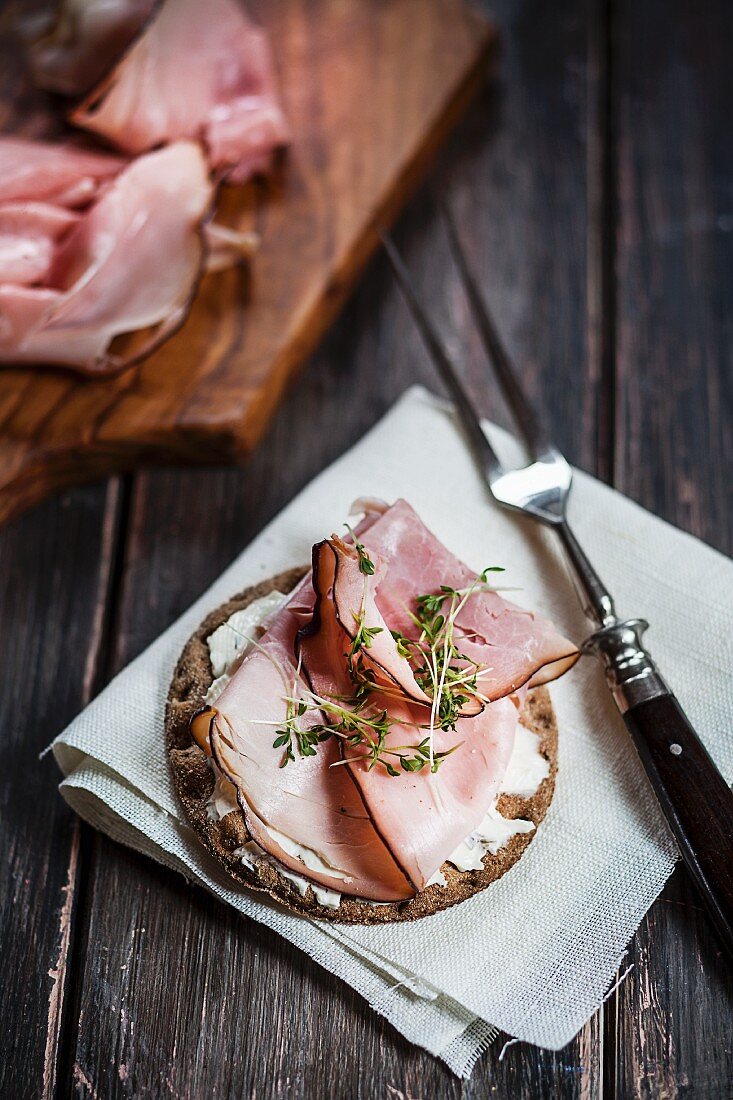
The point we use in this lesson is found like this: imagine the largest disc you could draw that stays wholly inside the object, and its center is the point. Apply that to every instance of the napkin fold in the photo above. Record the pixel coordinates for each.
(534, 954)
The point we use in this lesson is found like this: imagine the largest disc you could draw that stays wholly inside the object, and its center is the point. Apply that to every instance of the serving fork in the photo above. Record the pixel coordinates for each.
(693, 795)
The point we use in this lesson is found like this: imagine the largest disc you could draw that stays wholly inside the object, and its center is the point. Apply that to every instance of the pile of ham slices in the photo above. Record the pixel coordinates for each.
(95, 245)
(329, 816)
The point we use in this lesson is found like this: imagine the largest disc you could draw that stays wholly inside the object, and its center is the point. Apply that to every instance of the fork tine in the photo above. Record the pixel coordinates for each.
(534, 437)
(483, 450)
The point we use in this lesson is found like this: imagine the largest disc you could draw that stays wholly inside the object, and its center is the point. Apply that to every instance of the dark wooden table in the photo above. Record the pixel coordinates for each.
(595, 179)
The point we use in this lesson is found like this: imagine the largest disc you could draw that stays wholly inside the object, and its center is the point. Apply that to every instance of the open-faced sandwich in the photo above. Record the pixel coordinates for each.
(370, 740)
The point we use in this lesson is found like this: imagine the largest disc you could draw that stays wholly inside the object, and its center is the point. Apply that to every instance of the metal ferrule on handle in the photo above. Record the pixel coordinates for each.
(630, 671)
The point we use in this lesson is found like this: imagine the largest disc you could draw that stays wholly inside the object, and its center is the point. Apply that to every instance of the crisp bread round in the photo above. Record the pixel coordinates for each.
(194, 782)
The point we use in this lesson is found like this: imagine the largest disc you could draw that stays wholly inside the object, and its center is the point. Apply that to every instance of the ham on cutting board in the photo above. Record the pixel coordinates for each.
(131, 262)
(208, 393)
(93, 246)
(368, 775)
(198, 70)
(195, 91)
(157, 71)
(52, 172)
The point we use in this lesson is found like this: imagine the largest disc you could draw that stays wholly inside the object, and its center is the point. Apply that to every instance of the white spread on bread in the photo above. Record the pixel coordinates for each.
(492, 834)
(230, 641)
(526, 770)
(307, 856)
(223, 798)
(251, 854)
(527, 767)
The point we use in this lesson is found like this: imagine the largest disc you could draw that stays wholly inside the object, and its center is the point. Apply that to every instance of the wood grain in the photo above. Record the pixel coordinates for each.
(370, 90)
(674, 453)
(55, 567)
(674, 405)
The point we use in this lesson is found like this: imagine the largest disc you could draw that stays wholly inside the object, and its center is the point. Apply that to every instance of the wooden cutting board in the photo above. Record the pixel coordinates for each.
(370, 88)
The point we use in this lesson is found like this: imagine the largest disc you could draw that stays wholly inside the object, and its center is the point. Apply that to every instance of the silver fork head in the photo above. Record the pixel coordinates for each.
(540, 489)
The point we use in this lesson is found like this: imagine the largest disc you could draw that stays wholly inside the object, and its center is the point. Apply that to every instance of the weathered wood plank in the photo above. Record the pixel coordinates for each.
(674, 88)
(54, 571)
(674, 449)
(201, 1002)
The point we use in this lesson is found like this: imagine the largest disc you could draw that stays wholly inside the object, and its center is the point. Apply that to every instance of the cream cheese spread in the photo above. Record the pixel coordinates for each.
(251, 854)
(527, 766)
(223, 798)
(230, 641)
(526, 770)
(491, 835)
(307, 856)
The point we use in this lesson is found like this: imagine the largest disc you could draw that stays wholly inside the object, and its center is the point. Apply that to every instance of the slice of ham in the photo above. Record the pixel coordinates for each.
(29, 232)
(348, 594)
(424, 815)
(22, 309)
(200, 71)
(512, 646)
(84, 38)
(308, 802)
(51, 172)
(131, 262)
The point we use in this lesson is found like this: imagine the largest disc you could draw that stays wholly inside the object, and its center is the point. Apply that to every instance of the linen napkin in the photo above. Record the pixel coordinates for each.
(534, 954)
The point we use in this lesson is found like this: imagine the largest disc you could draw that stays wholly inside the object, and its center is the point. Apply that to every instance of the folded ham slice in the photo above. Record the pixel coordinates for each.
(513, 646)
(130, 262)
(422, 815)
(346, 599)
(200, 71)
(83, 39)
(29, 233)
(308, 803)
(426, 815)
(57, 173)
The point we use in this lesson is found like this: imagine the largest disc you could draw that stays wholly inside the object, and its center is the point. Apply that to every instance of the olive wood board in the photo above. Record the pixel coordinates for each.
(370, 88)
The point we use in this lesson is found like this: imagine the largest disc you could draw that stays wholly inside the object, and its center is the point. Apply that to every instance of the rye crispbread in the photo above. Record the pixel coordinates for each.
(194, 782)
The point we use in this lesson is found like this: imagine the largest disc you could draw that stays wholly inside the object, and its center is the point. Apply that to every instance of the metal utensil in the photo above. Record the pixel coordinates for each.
(694, 796)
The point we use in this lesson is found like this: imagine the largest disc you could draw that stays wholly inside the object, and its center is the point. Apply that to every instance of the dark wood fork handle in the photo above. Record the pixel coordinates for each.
(695, 798)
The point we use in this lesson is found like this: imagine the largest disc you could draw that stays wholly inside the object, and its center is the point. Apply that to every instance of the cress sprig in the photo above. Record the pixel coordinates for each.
(448, 676)
(356, 730)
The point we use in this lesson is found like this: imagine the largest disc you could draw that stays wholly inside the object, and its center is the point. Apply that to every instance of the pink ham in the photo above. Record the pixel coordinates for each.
(131, 262)
(22, 310)
(84, 38)
(200, 71)
(321, 644)
(352, 596)
(309, 802)
(29, 232)
(56, 173)
(423, 815)
(513, 646)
